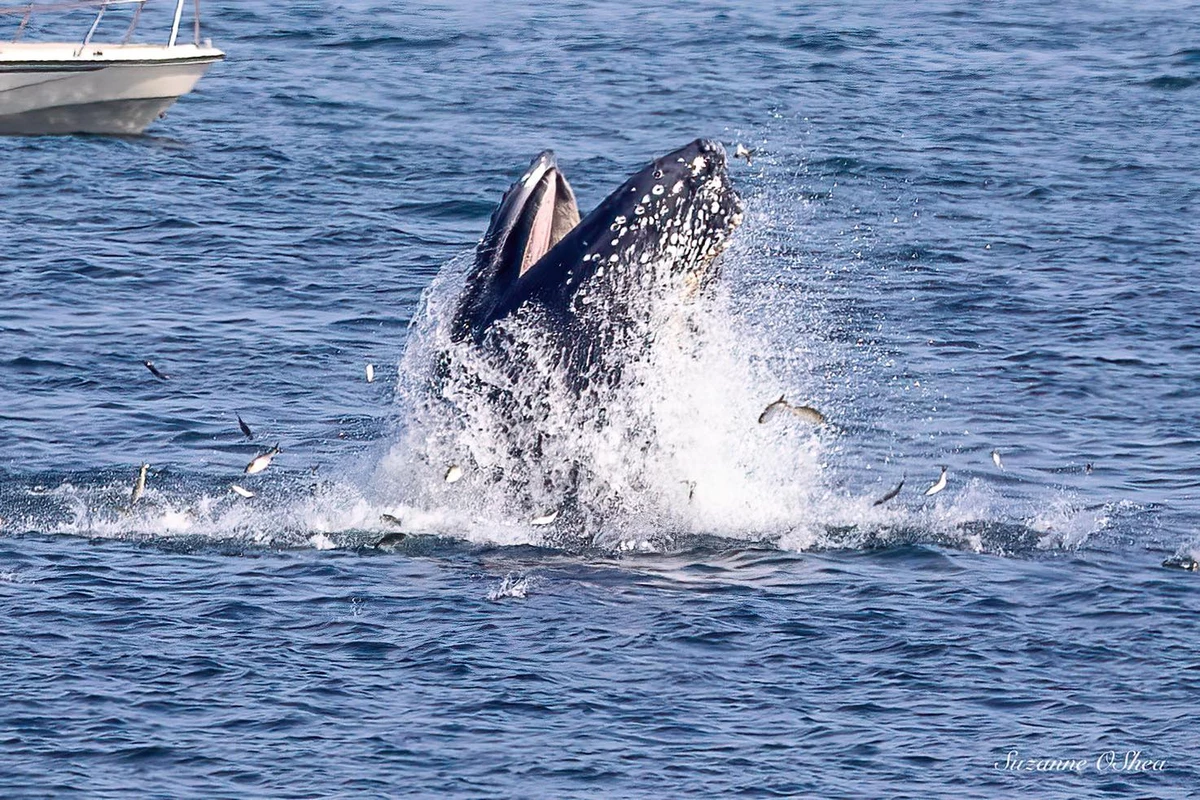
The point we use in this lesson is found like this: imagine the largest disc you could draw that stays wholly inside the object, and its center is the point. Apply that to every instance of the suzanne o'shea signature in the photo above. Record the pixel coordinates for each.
(1106, 762)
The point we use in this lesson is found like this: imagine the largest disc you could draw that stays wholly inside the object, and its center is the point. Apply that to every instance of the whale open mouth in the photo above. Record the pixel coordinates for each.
(537, 212)
(542, 210)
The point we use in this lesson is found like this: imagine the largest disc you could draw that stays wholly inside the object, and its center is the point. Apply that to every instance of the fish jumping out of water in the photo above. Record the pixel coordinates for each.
(263, 461)
(390, 539)
(139, 486)
(937, 485)
(892, 493)
(156, 372)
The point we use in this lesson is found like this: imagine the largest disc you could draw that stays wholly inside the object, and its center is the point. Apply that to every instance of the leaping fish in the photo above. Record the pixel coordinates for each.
(263, 461)
(155, 372)
(938, 485)
(139, 486)
(806, 413)
(390, 539)
(892, 493)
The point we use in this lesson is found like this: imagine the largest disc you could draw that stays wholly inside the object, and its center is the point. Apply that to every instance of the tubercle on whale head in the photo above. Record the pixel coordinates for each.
(684, 209)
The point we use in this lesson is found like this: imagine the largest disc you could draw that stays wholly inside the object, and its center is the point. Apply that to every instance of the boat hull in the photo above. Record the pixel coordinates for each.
(89, 96)
(128, 117)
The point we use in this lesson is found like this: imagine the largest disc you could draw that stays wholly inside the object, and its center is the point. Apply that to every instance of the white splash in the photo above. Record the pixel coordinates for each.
(513, 586)
(322, 541)
(674, 448)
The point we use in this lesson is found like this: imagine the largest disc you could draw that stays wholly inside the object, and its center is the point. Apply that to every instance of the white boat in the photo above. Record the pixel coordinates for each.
(92, 87)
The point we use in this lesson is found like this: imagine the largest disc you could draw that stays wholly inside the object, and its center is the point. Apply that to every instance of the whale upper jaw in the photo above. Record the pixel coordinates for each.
(675, 215)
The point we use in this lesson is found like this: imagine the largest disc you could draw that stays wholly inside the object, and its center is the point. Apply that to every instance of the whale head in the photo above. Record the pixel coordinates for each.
(666, 223)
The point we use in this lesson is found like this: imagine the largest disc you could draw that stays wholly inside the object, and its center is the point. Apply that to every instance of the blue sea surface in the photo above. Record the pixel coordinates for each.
(969, 228)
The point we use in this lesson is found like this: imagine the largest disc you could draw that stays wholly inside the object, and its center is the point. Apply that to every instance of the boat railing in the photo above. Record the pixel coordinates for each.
(27, 11)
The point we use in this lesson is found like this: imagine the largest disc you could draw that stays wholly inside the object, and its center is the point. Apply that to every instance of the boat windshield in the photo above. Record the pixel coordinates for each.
(49, 17)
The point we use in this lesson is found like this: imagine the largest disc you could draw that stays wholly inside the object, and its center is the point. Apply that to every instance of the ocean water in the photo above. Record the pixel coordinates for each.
(969, 227)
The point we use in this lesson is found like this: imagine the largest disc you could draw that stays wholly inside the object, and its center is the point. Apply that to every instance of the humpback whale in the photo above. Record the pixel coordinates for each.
(591, 286)
(548, 338)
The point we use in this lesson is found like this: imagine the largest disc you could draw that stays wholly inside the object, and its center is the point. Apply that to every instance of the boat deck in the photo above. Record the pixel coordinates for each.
(102, 54)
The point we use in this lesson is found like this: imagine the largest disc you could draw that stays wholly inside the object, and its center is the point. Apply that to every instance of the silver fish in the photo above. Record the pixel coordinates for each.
(938, 485)
(391, 539)
(806, 413)
(263, 461)
(139, 486)
(892, 493)
(770, 410)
